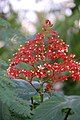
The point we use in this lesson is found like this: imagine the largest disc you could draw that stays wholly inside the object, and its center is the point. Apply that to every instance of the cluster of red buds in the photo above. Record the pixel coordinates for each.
(48, 57)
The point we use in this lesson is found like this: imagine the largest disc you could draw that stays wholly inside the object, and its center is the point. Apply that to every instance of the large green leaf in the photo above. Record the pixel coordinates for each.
(56, 108)
(10, 92)
(24, 89)
(75, 106)
(11, 99)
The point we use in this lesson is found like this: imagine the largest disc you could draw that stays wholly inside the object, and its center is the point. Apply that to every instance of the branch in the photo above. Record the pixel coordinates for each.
(68, 112)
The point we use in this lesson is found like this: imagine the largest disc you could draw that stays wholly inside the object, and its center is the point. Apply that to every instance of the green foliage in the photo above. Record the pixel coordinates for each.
(12, 92)
(25, 66)
(57, 108)
(3, 23)
(12, 19)
(71, 87)
(9, 96)
(68, 31)
(11, 38)
(14, 96)
(3, 64)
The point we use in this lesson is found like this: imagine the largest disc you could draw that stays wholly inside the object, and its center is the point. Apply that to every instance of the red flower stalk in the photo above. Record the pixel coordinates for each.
(47, 55)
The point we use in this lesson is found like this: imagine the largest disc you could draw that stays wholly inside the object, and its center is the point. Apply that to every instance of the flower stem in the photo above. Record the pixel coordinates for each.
(41, 95)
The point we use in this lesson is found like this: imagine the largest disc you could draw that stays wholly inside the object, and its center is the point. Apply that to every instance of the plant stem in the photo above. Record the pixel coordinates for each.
(33, 86)
(32, 103)
(41, 95)
(68, 112)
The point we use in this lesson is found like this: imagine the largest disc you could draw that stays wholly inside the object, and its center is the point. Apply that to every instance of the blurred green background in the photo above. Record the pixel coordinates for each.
(19, 25)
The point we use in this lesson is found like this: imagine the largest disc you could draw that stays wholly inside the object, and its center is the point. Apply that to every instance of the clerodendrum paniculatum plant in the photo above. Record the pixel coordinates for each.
(49, 62)
(47, 55)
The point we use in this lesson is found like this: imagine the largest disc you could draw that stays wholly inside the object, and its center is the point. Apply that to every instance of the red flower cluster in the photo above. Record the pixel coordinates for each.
(47, 55)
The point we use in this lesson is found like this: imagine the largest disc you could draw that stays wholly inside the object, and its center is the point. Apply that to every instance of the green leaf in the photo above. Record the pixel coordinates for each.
(24, 89)
(53, 108)
(5, 113)
(12, 38)
(25, 66)
(50, 109)
(3, 64)
(75, 106)
(3, 23)
(10, 95)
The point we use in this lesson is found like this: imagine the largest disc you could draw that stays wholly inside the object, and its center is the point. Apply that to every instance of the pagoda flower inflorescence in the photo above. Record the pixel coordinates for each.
(48, 57)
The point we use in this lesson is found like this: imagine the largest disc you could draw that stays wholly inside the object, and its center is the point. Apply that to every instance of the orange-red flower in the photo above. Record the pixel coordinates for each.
(47, 55)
